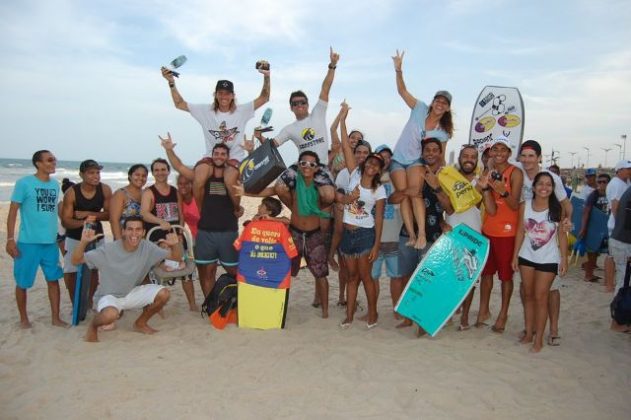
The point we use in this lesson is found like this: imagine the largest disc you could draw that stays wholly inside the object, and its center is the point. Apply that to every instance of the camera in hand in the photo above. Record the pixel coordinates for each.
(89, 225)
(262, 65)
(496, 176)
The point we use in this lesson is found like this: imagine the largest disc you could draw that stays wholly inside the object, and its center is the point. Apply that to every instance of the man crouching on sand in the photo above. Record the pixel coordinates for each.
(123, 265)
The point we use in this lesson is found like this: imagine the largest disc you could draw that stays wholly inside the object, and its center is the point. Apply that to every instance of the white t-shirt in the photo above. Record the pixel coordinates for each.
(359, 212)
(342, 180)
(224, 127)
(615, 189)
(585, 192)
(310, 133)
(526, 189)
(408, 147)
(540, 239)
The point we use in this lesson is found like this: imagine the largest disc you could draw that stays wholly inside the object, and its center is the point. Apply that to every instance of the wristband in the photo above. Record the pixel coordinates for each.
(486, 189)
(437, 189)
(10, 239)
(504, 194)
(332, 67)
(398, 71)
(171, 85)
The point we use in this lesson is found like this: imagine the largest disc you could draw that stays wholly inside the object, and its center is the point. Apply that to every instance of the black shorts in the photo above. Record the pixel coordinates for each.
(546, 268)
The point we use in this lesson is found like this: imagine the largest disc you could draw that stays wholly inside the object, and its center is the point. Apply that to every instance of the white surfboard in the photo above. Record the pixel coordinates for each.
(498, 111)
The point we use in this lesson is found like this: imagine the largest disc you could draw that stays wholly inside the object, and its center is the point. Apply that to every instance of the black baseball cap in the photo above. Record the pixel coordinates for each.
(89, 164)
(225, 85)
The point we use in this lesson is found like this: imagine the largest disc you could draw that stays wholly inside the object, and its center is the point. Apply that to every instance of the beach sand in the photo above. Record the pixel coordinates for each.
(311, 369)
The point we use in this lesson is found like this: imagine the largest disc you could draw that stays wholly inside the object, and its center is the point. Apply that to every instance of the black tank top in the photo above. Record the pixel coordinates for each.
(81, 203)
(217, 214)
(164, 208)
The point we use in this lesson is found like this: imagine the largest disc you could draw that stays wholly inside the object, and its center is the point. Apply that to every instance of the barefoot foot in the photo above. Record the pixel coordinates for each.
(144, 328)
(59, 323)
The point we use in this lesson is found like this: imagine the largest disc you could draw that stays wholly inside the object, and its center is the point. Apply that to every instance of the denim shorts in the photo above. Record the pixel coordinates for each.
(391, 260)
(397, 166)
(410, 257)
(357, 242)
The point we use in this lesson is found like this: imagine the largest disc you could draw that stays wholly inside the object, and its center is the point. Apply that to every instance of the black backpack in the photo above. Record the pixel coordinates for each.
(223, 296)
(621, 303)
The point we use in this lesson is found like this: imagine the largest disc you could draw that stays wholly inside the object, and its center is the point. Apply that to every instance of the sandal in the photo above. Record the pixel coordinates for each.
(554, 340)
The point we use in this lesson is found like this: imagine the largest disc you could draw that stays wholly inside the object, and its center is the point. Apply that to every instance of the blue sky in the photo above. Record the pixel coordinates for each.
(82, 78)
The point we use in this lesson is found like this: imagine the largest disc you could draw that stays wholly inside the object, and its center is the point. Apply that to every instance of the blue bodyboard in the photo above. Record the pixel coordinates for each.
(443, 278)
(596, 226)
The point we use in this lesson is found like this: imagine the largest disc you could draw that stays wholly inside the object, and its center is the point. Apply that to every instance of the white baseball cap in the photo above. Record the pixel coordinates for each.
(623, 164)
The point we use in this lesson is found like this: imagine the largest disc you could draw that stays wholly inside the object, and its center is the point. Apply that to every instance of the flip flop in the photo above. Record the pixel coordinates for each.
(554, 340)
(371, 326)
(481, 324)
(464, 327)
(341, 303)
(315, 305)
(345, 325)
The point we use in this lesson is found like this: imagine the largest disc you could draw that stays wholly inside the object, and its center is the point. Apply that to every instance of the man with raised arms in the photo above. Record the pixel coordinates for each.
(35, 197)
(223, 121)
(310, 132)
(218, 224)
(123, 266)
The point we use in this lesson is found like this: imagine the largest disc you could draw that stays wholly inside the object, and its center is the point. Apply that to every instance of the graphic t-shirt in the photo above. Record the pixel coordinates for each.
(265, 252)
(598, 201)
(540, 239)
(121, 270)
(224, 127)
(310, 133)
(38, 209)
(359, 212)
(408, 147)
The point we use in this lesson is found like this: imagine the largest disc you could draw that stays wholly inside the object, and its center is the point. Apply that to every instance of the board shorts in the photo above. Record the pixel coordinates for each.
(209, 161)
(321, 178)
(137, 298)
(312, 246)
(500, 257)
(357, 242)
(390, 258)
(216, 248)
(71, 244)
(33, 256)
(397, 166)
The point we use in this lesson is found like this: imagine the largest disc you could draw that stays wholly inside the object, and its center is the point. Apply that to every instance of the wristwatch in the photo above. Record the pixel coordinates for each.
(504, 194)
(437, 189)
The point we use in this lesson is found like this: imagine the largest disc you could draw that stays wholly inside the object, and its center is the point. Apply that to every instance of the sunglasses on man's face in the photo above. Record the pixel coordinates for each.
(298, 103)
(307, 164)
(602, 181)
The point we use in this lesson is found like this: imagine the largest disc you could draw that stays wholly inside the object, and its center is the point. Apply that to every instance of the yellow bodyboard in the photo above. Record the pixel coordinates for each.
(261, 307)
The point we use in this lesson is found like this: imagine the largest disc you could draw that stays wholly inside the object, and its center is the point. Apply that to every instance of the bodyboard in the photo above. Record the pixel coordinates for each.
(81, 294)
(263, 308)
(498, 111)
(443, 278)
(596, 225)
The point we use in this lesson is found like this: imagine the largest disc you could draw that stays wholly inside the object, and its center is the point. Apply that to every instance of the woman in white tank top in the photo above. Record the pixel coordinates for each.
(540, 253)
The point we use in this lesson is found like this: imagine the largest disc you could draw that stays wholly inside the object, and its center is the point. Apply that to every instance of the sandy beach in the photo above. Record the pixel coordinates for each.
(312, 369)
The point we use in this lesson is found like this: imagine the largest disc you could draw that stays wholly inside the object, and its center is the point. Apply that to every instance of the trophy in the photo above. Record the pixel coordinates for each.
(175, 64)
(265, 119)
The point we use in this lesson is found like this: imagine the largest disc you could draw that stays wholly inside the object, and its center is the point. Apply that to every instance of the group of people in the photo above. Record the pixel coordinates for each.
(368, 208)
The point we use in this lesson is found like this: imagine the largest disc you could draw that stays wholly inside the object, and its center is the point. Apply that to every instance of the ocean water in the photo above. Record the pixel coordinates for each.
(113, 174)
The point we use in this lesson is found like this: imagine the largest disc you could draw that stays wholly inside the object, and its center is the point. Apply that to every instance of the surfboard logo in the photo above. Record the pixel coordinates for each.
(509, 120)
(248, 167)
(485, 124)
(469, 261)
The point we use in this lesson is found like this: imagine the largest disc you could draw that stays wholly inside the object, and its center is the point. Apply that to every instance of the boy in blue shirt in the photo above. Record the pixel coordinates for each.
(36, 197)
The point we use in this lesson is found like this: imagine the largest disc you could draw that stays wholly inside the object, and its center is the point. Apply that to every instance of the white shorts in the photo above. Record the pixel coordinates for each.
(139, 297)
(71, 244)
